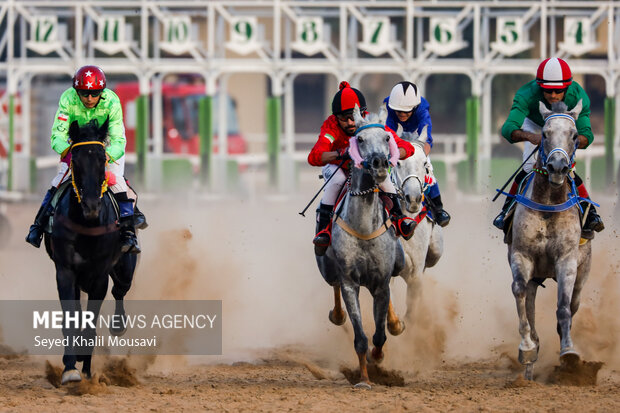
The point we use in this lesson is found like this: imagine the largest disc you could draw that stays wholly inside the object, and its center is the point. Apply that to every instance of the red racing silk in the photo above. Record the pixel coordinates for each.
(333, 138)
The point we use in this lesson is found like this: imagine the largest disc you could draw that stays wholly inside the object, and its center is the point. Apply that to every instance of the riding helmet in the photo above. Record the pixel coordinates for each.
(346, 98)
(404, 97)
(554, 73)
(89, 78)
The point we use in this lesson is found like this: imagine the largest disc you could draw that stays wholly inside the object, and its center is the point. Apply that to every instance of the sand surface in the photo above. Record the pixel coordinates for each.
(281, 353)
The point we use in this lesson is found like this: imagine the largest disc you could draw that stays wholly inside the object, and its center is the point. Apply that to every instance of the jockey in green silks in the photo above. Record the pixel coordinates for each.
(553, 83)
(89, 99)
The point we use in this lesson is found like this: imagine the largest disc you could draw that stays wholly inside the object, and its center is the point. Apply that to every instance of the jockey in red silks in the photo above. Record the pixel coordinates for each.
(331, 149)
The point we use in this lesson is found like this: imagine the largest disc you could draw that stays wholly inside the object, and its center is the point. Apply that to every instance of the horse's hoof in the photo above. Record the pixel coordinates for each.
(397, 329)
(569, 357)
(337, 321)
(71, 376)
(118, 331)
(528, 356)
(375, 356)
(529, 372)
(363, 385)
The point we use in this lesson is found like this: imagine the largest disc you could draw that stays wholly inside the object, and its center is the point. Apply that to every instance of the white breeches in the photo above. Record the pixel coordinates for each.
(529, 126)
(333, 187)
(117, 168)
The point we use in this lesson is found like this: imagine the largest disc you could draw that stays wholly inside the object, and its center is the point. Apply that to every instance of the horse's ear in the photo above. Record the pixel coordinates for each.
(543, 110)
(103, 129)
(424, 134)
(382, 114)
(74, 131)
(576, 110)
(357, 116)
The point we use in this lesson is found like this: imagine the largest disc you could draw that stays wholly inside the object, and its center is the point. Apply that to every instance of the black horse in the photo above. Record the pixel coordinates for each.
(85, 243)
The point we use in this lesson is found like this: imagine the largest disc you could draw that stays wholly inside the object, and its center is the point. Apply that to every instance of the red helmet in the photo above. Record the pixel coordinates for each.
(346, 98)
(554, 73)
(89, 78)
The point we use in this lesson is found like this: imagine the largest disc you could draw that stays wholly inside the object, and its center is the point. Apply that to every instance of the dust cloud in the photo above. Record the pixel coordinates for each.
(255, 254)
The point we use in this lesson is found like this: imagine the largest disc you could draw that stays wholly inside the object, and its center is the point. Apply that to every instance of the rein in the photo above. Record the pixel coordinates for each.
(104, 184)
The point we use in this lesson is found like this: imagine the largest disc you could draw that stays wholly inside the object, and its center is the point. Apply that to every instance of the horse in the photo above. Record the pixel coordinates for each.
(85, 244)
(545, 241)
(364, 249)
(425, 248)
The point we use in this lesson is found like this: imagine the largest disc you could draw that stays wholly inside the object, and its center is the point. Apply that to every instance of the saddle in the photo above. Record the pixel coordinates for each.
(62, 189)
(508, 219)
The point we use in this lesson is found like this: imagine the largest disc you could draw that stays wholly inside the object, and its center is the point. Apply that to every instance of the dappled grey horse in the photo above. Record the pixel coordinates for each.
(364, 250)
(545, 240)
(425, 248)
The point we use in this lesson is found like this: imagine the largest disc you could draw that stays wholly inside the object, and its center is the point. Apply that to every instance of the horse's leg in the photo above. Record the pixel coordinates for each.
(350, 294)
(435, 247)
(522, 269)
(566, 271)
(414, 290)
(381, 305)
(337, 315)
(69, 302)
(530, 310)
(95, 299)
(395, 326)
(122, 277)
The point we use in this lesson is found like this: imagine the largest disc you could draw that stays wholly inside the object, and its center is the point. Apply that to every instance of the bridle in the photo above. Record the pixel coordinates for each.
(104, 184)
(544, 158)
(423, 185)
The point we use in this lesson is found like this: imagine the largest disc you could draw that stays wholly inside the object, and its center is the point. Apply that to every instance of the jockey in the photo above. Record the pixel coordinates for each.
(406, 108)
(554, 83)
(89, 99)
(331, 149)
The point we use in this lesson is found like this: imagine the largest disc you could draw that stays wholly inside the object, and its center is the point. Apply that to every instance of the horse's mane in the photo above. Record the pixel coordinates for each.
(559, 107)
(88, 132)
(372, 118)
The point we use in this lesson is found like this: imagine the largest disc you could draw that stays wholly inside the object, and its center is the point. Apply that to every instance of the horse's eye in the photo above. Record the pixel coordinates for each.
(360, 140)
(387, 138)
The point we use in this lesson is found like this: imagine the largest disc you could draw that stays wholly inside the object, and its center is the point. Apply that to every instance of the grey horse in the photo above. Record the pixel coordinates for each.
(424, 249)
(547, 244)
(364, 250)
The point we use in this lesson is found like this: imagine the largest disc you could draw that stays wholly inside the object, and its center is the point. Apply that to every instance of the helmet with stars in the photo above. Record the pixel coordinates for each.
(89, 78)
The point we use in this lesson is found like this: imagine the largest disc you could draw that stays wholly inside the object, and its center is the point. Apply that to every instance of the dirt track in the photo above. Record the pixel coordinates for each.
(281, 353)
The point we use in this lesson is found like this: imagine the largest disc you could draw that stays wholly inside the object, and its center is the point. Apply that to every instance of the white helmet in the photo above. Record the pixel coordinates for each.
(404, 97)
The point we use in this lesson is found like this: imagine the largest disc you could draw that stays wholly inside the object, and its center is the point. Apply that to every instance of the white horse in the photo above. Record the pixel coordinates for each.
(425, 248)
(545, 241)
(364, 249)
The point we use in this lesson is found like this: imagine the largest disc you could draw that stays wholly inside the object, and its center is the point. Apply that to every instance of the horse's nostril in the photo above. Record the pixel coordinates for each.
(550, 168)
(565, 170)
(418, 199)
(408, 198)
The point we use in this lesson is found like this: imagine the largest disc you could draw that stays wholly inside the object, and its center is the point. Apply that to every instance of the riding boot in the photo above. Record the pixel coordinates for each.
(592, 223)
(139, 220)
(323, 235)
(442, 218)
(404, 224)
(129, 241)
(499, 221)
(35, 234)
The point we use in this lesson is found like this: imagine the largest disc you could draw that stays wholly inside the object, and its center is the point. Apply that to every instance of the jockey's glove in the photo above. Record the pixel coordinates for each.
(343, 154)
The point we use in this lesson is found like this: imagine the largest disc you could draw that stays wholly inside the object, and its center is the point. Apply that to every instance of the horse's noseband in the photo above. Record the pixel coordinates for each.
(104, 184)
